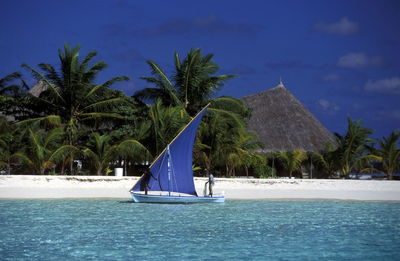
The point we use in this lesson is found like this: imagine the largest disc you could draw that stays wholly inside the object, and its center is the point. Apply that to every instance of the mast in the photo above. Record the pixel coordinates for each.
(169, 170)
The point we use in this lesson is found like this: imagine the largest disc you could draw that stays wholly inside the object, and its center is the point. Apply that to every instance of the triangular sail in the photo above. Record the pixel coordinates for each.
(179, 156)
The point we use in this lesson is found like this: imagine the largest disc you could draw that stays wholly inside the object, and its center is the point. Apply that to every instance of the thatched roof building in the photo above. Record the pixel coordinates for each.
(38, 88)
(283, 123)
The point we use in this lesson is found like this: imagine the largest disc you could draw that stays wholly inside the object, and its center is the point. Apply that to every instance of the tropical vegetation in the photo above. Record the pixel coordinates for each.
(292, 160)
(389, 153)
(70, 124)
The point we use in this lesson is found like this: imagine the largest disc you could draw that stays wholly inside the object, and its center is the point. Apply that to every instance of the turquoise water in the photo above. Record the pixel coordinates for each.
(98, 229)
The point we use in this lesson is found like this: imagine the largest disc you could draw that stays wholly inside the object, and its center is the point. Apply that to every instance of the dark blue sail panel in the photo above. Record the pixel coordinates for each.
(179, 157)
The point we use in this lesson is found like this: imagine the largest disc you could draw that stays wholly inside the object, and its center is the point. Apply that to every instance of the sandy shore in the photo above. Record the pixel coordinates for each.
(118, 187)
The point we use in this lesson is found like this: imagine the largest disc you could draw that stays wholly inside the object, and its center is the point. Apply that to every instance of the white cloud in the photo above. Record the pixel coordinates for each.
(359, 60)
(343, 27)
(328, 107)
(384, 86)
(330, 77)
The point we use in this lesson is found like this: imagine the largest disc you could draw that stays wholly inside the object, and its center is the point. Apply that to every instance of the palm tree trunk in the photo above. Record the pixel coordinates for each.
(125, 168)
(9, 167)
(273, 161)
(71, 164)
(62, 167)
(9, 158)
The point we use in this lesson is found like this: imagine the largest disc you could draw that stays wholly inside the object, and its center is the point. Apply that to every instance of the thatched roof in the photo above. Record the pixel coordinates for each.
(283, 123)
(38, 88)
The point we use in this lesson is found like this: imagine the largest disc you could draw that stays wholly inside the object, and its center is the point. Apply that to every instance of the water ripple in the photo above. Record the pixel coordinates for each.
(240, 230)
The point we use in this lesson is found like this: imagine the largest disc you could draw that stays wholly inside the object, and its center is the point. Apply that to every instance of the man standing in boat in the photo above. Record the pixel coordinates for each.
(144, 186)
(210, 182)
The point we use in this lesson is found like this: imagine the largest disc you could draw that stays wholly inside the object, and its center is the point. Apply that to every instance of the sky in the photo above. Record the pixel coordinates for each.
(339, 58)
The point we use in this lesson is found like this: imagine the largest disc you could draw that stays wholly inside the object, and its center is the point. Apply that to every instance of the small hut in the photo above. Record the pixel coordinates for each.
(283, 123)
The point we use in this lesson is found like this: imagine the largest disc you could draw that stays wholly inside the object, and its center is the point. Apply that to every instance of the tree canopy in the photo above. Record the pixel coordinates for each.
(68, 120)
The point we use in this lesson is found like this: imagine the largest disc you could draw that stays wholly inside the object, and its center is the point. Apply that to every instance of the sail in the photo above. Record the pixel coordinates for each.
(172, 170)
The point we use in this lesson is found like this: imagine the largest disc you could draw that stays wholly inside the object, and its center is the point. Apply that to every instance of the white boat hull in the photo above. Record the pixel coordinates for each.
(174, 199)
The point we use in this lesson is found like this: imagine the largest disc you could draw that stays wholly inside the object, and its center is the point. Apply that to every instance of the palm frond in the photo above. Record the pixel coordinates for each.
(24, 158)
(96, 115)
(104, 104)
(10, 77)
(51, 120)
(87, 59)
(233, 116)
(63, 152)
(159, 72)
(42, 78)
(133, 148)
(177, 61)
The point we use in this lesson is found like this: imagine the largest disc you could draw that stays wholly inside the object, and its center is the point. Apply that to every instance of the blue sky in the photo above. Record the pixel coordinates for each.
(339, 58)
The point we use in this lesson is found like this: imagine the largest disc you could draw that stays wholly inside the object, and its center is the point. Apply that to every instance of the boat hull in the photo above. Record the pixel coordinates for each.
(174, 199)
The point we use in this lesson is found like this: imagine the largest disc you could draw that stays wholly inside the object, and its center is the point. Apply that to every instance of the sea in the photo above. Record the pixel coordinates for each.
(114, 229)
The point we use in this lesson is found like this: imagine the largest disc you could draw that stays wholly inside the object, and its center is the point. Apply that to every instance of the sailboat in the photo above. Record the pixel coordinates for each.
(169, 179)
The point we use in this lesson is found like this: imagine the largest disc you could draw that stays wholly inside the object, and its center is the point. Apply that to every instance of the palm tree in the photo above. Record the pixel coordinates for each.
(292, 160)
(215, 134)
(11, 141)
(191, 86)
(45, 150)
(390, 153)
(11, 94)
(72, 94)
(242, 153)
(352, 149)
(224, 144)
(9, 89)
(101, 153)
(326, 160)
(166, 122)
(6, 139)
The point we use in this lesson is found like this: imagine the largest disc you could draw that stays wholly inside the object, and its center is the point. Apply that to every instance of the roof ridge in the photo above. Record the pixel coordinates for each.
(265, 91)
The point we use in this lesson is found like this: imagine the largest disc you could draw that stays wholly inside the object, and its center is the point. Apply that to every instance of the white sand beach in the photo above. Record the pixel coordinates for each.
(118, 187)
